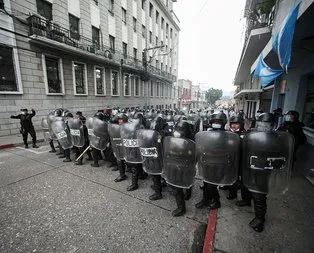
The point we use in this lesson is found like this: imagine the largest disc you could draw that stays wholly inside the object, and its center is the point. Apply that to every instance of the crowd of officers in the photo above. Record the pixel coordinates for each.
(181, 125)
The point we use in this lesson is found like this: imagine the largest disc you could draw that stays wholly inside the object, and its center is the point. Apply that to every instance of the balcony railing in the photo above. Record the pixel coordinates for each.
(50, 30)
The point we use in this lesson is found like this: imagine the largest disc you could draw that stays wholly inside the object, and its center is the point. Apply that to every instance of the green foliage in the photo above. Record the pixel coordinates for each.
(212, 95)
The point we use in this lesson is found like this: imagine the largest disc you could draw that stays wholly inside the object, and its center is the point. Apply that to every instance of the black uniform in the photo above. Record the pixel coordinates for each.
(27, 126)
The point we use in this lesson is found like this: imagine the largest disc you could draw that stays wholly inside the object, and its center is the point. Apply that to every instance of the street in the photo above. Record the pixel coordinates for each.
(50, 206)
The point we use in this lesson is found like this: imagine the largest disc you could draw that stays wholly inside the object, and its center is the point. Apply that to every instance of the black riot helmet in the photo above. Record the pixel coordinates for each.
(182, 130)
(58, 112)
(67, 114)
(158, 123)
(218, 120)
(265, 122)
(119, 119)
(100, 115)
(236, 123)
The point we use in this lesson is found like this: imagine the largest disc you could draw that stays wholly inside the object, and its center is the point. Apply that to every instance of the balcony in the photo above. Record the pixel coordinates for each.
(160, 73)
(64, 39)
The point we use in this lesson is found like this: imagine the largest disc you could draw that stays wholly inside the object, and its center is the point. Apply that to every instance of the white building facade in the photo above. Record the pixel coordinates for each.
(85, 55)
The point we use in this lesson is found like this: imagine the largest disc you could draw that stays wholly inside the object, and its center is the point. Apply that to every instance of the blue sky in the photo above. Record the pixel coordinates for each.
(210, 41)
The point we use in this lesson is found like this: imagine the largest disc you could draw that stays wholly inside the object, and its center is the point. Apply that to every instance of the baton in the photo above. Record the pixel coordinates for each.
(82, 153)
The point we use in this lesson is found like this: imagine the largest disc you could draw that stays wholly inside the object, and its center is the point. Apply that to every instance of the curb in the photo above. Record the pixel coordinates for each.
(210, 232)
(5, 146)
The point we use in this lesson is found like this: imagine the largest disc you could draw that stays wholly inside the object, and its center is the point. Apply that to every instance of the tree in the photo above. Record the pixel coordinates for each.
(212, 95)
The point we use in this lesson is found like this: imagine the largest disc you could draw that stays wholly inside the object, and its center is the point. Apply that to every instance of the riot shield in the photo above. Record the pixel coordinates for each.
(45, 127)
(77, 132)
(62, 133)
(218, 154)
(115, 138)
(267, 161)
(100, 128)
(51, 118)
(130, 146)
(150, 145)
(96, 142)
(179, 160)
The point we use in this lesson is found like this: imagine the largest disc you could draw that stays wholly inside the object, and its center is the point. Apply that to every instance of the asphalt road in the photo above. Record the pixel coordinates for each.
(50, 206)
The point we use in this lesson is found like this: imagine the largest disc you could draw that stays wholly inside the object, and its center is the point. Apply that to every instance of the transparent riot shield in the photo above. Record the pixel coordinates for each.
(115, 138)
(77, 132)
(62, 133)
(96, 142)
(179, 160)
(45, 127)
(51, 118)
(267, 161)
(151, 151)
(218, 154)
(130, 145)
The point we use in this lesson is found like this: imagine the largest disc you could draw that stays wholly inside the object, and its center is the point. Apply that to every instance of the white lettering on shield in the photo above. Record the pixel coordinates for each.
(61, 135)
(90, 132)
(75, 132)
(149, 152)
(130, 143)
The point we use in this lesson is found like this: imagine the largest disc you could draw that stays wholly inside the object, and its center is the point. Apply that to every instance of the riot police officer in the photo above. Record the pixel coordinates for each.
(236, 124)
(183, 130)
(27, 125)
(211, 196)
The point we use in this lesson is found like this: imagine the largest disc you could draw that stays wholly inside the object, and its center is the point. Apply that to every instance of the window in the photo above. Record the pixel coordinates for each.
(95, 2)
(134, 24)
(136, 86)
(125, 49)
(44, 9)
(53, 75)
(157, 64)
(74, 27)
(150, 9)
(95, 37)
(99, 81)
(143, 4)
(167, 28)
(114, 83)
(170, 70)
(150, 37)
(166, 68)
(135, 54)
(124, 15)
(170, 33)
(143, 88)
(157, 89)
(157, 17)
(151, 88)
(112, 43)
(162, 89)
(162, 23)
(156, 41)
(111, 7)
(8, 82)
(127, 85)
(79, 78)
(161, 66)
(143, 31)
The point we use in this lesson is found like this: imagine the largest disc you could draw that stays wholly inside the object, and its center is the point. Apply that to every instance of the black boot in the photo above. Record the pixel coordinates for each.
(260, 207)
(232, 192)
(53, 150)
(188, 193)
(142, 174)
(134, 184)
(180, 203)
(95, 158)
(157, 187)
(206, 197)
(246, 196)
(121, 167)
(215, 202)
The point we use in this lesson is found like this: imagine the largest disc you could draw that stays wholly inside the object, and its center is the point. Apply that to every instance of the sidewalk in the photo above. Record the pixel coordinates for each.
(17, 140)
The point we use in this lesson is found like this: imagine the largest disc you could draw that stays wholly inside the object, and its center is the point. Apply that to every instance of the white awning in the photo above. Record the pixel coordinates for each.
(248, 92)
